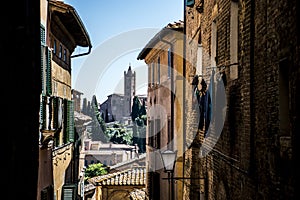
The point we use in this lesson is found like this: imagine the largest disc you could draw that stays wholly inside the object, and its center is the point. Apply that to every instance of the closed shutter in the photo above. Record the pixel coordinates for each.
(69, 192)
(69, 121)
(43, 58)
(42, 112)
(42, 34)
(47, 193)
(49, 73)
(43, 68)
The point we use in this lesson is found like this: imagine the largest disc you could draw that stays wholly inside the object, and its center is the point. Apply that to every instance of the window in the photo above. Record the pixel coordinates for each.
(60, 51)
(284, 97)
(234, 16)
(54, 47)
(170, 135)
(158, 70)
(213, 44)
(65, 55)
(157, 134)
(169, 62)
(199, 59)
(153, 73)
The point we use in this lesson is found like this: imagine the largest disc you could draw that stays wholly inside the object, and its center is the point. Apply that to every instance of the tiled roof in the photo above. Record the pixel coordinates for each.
(134, 176)
(168, 29)
(88, 187)
(178, 24)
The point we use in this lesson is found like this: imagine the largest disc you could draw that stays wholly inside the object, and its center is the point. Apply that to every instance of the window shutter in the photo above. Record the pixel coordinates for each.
(43, 68)
(48, 74)
(69, 121)
(42, 112)
(69, 192)
(47, 193)
(190, 3)
(42, 34)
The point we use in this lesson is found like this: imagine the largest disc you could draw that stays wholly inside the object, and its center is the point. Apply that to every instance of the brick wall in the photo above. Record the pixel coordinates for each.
(254, 155)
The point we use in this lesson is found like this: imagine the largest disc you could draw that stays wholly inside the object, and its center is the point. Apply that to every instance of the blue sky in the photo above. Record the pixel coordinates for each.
(118, 31)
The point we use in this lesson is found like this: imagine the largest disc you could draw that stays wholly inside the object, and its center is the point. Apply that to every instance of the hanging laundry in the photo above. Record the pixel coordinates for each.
(204, 107)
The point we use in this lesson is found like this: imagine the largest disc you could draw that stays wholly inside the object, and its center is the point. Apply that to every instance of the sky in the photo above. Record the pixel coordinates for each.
(118, 31)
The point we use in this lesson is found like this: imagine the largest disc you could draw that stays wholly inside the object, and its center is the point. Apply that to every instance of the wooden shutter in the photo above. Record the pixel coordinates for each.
(190, 3)
(69, 192)
(69, 120)
(47, 193)
(42, 34)
(49, 73)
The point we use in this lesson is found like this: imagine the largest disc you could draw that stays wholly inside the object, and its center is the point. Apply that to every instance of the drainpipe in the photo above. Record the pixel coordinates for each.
(184, 91)
(172, 99)
(83, 54)
(172, 82)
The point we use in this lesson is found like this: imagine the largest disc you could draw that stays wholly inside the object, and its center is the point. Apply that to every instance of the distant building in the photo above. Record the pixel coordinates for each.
(117, 107)
(76, 97)
(129, 89)
(108, 153)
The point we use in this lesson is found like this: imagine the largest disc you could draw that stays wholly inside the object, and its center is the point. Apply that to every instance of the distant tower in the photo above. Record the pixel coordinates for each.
(129, 89)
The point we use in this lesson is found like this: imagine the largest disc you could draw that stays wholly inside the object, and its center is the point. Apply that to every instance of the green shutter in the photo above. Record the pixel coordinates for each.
(69, 192)
(190, 2)
(44, 52)
(48, 74)
(69, 121)
(42, 34)
(42, 112)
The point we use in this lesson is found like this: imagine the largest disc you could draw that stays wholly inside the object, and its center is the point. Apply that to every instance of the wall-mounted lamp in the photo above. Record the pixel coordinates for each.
(169, 158)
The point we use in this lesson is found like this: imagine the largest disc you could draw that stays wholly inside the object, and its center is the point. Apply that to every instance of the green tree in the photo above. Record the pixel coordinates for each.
(97, 113)
(118, 134)
(139, 119)
(93, 170)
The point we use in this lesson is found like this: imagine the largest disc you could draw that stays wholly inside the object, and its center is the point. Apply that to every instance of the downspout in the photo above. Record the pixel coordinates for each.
(172, 82)
(83, 54)
(184, 92)
(172, 98)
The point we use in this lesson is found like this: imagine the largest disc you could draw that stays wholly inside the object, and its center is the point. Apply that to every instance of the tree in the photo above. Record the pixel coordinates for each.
(97, 113)
(98, 124)
(139, 119)
(119, 135)
(93, 170)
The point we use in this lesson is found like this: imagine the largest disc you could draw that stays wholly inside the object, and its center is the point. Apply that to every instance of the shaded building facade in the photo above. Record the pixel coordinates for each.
(250, 150)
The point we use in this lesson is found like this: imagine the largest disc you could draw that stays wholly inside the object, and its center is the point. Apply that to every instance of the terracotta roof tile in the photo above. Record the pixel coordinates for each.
(134, 176)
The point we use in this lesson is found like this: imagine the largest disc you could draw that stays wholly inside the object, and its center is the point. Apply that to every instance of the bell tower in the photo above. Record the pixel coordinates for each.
(129, 89)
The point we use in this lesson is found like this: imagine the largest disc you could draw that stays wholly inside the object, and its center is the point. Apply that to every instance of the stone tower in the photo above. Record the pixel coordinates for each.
(129, 89)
